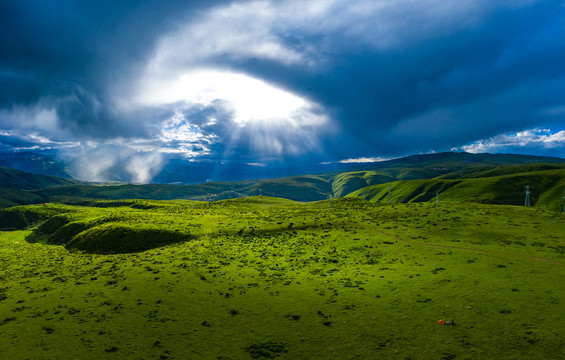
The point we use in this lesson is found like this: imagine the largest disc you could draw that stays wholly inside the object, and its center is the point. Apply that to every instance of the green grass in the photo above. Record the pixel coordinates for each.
(546, 186)
(298, 188)
(263, 277)
(22, 217)
(15, 197)
(16, 179)
(345, 183)
(504, 170)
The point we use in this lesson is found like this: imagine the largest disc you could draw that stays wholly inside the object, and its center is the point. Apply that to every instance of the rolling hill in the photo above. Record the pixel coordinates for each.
(16, 179)
(448, 165)
(483, 178)
(16, 187)
(547, 187)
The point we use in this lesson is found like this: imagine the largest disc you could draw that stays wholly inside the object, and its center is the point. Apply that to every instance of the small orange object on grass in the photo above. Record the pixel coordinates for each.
(441, 322)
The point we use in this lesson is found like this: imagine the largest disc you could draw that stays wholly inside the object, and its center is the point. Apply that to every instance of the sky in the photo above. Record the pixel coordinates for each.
(279, 82)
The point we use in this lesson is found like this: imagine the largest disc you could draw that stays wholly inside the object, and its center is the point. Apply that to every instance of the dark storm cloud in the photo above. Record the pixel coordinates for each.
(413, 76)
(371, 78)
(9, 141)
(448, 87)
(68, 54)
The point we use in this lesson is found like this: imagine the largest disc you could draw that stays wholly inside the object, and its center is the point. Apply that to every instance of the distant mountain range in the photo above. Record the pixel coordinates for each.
(484, 178)
(42, 164)
(175, 170)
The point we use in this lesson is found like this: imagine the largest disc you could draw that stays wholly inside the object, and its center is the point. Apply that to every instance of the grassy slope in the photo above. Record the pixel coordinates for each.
(312, 188)
(15, 179)
(298, 188)
(546, 186)
(15, 197)
(16, 187)
(442, 165)
(345, 183)
(341, 279)
(500, 171)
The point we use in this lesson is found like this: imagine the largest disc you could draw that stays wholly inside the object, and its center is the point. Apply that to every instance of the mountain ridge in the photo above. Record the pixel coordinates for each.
(410, 176)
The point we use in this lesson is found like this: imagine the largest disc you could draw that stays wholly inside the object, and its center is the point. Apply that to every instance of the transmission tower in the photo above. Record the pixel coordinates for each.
(437, 198)
(331, 202)
(389, 194)
(528, 196)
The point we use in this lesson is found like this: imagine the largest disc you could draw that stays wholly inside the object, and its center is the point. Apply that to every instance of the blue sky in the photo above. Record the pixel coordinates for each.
(264, 82)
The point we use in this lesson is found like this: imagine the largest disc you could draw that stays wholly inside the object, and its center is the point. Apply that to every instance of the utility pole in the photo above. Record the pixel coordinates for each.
(389, 194)
(437, 198)
(528, 196)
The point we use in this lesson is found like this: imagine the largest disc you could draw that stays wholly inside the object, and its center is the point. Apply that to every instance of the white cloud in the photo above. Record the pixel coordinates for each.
(258, 116)
(143, 167)
(35, 141)
(236, 31)
(534, 138)
(109, 159)
(282, 31)
(364, 160)
(249, 99)
(38, 117)
(178, 129)
(179, 136)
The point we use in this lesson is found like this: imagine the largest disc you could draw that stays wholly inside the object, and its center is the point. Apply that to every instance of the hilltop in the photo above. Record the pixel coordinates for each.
(504, 185)
(16, 179)
(16, 187)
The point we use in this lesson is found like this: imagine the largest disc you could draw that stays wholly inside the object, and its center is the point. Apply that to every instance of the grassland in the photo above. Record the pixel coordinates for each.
(263, 277)
(547, 186)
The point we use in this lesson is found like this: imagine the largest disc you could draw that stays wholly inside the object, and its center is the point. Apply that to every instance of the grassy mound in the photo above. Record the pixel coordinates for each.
(260, 200)
(114, 238)
(22, 217)
(53, 224)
